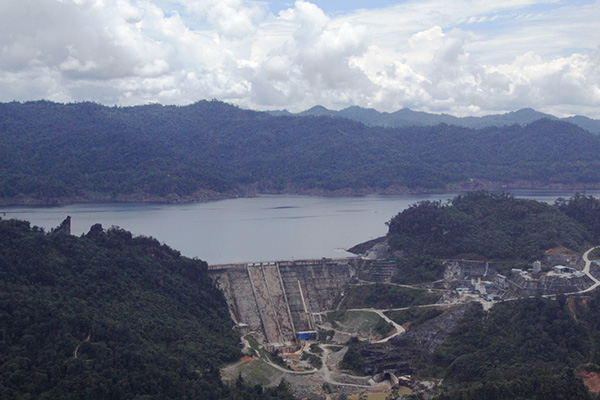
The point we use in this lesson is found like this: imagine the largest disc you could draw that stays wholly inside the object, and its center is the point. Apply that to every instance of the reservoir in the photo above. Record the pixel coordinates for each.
(264, 228)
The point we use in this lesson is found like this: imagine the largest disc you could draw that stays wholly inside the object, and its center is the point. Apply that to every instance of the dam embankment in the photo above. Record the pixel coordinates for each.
(277, 299)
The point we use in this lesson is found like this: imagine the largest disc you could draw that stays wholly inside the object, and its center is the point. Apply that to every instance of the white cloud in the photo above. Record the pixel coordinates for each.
(462, 57)
(314, 64)
(231, 18)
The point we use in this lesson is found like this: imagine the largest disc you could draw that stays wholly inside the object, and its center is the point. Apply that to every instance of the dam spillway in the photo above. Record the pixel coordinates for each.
(276, 299)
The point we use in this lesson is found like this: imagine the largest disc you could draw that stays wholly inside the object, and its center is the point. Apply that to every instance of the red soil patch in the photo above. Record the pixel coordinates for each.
(560, 251)
(591, 380)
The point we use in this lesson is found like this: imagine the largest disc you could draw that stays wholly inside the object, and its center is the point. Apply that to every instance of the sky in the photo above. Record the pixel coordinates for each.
(460, 57)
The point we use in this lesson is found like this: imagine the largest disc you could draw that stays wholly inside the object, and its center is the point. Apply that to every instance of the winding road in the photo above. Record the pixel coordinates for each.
(325, 372)
(586, 270)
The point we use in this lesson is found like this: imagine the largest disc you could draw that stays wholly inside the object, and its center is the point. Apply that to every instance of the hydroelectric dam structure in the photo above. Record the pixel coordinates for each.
(280, 299)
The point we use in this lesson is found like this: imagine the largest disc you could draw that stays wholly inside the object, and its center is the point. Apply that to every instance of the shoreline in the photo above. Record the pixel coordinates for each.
(203, 196)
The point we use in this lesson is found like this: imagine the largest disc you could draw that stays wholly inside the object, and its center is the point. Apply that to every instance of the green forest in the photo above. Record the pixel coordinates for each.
(523, 349)
(526, 349)
(53, 153)
(483, 225)
(382, 296)
(111, 316)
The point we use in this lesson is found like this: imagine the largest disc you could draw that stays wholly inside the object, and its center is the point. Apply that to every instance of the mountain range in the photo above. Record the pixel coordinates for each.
(61, 153)
(407, 117)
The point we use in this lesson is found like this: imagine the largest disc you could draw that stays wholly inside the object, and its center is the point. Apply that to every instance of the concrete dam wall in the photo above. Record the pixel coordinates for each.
(278, 299)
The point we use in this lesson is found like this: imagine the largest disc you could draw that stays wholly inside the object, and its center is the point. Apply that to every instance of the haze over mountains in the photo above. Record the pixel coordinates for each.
(408, 117)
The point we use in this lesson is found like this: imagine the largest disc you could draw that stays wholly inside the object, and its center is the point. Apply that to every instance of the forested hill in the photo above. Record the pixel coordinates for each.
(108, 316)
(53, 152)
(495, 226)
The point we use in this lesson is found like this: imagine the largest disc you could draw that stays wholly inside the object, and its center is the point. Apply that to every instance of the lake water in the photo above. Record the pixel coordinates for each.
(264, 228)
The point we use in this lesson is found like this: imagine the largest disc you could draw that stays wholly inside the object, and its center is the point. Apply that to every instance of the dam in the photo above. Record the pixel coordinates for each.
(279, 299)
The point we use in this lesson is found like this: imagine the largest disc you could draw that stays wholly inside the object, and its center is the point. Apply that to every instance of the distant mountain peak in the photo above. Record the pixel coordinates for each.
(530, 112)
(409, 117)
(317, 111)
(524, 110)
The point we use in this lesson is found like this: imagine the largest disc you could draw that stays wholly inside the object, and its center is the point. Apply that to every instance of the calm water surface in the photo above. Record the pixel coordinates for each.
(264, 228)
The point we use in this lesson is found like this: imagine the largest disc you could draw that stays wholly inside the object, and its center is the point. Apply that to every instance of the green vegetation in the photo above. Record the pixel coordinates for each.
(242, 391)
(73, 152)
(494, 226)
(256, 348)
(585, 210)
(254, 372)
(589, 367)
(524, 349)
(513, 338)
(313, 359)
(595, 254)
(415, 270)
(277, 359)
(315, 348)
(383, 327)
(109, 316)
(359, 321)
(415, 315)
(383, 296)
(529, 386)
(352, 360)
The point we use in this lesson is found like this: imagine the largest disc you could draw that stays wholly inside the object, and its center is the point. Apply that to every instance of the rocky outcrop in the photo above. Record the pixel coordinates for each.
(64, 227)
(364, 247)
(467, 270)
(95, 231)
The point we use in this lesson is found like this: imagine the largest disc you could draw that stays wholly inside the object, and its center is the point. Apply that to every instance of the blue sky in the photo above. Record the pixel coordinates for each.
(462, 57)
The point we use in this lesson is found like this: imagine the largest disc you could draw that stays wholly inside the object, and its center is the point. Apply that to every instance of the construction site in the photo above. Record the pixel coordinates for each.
(294, 326)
